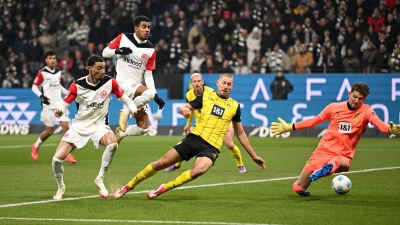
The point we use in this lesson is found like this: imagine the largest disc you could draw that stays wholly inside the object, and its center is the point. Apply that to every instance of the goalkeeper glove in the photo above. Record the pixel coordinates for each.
(45, 100)
(123, 51)
(394, 128)
(282, 127)
(159, 101)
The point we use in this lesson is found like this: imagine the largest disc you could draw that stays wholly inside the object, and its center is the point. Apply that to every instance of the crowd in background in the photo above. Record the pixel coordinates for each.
(207, 36)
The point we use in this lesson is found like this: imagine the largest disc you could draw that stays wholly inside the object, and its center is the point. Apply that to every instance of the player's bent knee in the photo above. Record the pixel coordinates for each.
(230, 146)
(149, 93)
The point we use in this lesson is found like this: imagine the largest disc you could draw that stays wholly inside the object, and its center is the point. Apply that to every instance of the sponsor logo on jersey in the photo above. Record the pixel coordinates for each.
(95, 105)
(144, 57)
(133, 62)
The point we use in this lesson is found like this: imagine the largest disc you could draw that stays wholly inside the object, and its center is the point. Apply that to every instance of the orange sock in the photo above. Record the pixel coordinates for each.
(336, 162)
(296, 188)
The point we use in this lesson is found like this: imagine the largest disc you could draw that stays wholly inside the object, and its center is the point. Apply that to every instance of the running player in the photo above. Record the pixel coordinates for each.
(136, 59)
(92, 93)
(203, 142)
(49, 79)
(347, 122)
(197, 82)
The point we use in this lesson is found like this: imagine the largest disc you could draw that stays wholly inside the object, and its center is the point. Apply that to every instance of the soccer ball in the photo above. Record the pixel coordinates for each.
(341, 184)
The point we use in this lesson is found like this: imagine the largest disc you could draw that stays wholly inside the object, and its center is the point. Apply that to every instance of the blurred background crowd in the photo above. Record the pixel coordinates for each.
(207, 36)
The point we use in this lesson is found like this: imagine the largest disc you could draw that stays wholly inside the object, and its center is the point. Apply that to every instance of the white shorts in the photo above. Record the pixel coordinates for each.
(48, 117)
(80, 140)
(130, 88)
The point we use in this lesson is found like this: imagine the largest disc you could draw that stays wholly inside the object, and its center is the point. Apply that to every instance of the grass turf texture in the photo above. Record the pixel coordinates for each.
(374, 198)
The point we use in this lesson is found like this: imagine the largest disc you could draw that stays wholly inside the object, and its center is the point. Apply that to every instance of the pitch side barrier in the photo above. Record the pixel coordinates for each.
(20, 108)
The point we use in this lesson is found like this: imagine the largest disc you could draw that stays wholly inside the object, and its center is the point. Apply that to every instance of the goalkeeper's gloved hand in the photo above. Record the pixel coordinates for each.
(123, 51)
(282, 127)
(394, 128)
(159, 101)
(45, 99)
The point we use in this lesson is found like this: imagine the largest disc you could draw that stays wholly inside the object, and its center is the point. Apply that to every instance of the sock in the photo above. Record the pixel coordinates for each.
(178, 164)
(142, 175)
(179, 181)
(38, 143)
(235, 152)
(126, 110)
(58, 170)
(144, 98)
(107, 158)
(336, 162)
(296, 188)
(133, 130)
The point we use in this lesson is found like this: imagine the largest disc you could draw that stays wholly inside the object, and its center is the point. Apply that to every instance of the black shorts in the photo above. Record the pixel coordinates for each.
(193, 145)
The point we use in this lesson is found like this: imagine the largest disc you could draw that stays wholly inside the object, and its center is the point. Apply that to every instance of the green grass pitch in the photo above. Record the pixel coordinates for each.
(221, 196)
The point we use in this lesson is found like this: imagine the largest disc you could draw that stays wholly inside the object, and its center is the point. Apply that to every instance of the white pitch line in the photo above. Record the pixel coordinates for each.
(194, 186)
(24, 146)
(129, 221)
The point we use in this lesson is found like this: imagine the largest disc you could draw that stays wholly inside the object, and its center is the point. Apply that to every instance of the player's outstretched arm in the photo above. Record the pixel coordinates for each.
(128, 102)
(244, 141)
(394, 128)
(185, 110)
(280, 127)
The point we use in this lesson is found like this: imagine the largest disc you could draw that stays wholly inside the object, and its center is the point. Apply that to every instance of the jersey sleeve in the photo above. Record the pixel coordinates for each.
(374, 120)
(114, 44)
(320, 118)
(72, 93)
(151, 63)
(39, 79)
(116, 89)
(236, 117)
(197, 103)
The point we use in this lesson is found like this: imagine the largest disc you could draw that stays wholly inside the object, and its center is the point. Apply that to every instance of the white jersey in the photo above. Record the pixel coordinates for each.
(92, 101)
(50, 83)
(130, 68)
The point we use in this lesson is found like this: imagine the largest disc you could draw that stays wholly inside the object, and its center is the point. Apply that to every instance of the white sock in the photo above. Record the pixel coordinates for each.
(38, 143)
(133, 130)
(58, 170)
(144, 98)
(108, 156)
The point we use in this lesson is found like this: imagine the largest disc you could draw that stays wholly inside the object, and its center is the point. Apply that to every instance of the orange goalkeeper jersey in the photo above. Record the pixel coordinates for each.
(345, 128)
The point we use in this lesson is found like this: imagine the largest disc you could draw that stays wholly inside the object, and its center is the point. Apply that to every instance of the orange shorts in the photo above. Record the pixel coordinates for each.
(319, 158)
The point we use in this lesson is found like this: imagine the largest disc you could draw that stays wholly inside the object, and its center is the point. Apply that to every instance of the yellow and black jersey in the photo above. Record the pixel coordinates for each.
(215, 116)
(191, 95)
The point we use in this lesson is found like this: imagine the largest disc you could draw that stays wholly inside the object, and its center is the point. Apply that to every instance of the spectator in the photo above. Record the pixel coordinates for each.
(241, 45)
(241, 68)
(382, 60)
(392, 27)
(303, 61)
(59, 42)
(35, 54)
(27, 81)
(322, 61)
(196, 61)
(163, 57)
(376, 20)
(394, 61)
(196, 35)
(11, 82)
(183, 63)
(341, 46)
(275, 58)
(82, 35)
(45, 40)
(264, 67)
(175, 53)
(334, 60)
(351, 63)
(383, 39)
(288, 59)
(65, 60)
(112, 31)
(253, 43)
(97, 34)
(356, 45)
(21, 43)
(369, 58)
(208, 66)
(280, 86)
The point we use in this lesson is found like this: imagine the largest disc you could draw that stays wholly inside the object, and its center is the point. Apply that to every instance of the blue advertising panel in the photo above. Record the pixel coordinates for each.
(311, 94)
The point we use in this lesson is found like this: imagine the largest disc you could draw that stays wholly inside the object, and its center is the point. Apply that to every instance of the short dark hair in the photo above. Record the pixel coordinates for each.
(139, 19)
(49, 53)
(94, 59)
(360, 87)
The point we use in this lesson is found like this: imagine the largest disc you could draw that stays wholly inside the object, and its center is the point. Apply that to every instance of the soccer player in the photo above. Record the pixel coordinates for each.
(136, 58)
(49, 79)
(218, 110)
(92, 93)
(197, 82)
(347, 122)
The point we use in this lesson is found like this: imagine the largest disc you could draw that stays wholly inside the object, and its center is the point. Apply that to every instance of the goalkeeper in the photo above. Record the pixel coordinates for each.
(347, 122)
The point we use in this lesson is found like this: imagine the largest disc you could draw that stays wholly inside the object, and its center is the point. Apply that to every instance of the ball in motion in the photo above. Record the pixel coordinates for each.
(341, 184)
